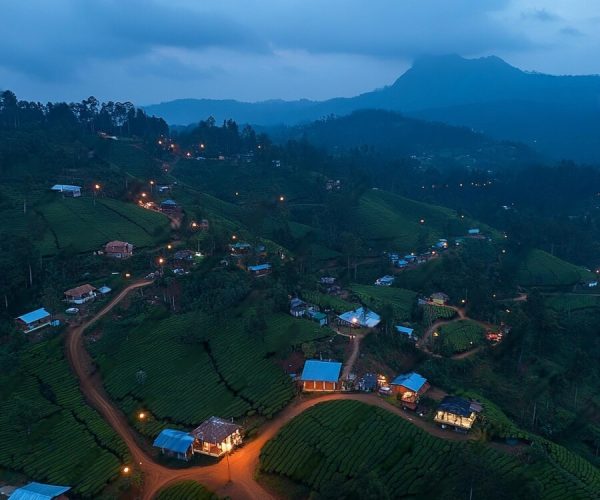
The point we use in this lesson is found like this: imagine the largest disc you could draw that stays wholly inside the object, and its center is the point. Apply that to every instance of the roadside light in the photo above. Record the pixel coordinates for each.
(508, 310)
(97, 186)
(233, 237)
(237, 194)
(127, 275)
(436, 334)
(169, 246)
(503, 250)
(152, 183)
(161, 260)
(160, 142)
(194, 224)
(202, 146)
(126, 470)
(422, 221)
(143, 195)
(141, 415)
(463, 301)
(281, 198)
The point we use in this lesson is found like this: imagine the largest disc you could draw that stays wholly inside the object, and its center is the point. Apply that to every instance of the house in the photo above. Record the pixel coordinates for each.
(327, 280)
(185, 255)
(260, 250)
(473, 231)
(367, 383)
(441, 244)
(163, 189)
(298, 307)
(104, 290)
(175, 443)
(118, 249)
(33, 320)
(405, 330)
(169, 206)
(361, 317)
(455, 412)
(80, 294)
(409, 387)
(439, 298)
(260, 270)
(216, 436)
(401, 263)
(386, 280)
(240, 248)
(317, 316)
(67, 190)
(321, 376)
(410, 258)
(39, 491)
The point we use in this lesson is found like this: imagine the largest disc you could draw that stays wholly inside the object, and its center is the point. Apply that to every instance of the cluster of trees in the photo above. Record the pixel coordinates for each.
(89, 115)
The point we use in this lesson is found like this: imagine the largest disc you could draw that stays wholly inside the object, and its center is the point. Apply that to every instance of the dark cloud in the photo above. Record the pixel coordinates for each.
(542, 15)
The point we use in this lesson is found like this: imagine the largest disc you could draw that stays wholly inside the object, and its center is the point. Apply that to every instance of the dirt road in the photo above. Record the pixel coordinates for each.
(243, 462)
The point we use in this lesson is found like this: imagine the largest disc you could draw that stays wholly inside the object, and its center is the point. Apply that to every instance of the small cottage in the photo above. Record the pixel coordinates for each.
(360, 318)
(118, 249)
(67, 190)
(386, 280)
(33, 321)
(39, 491)
(80, 294)
(216, 436)
(240, 248)
(439, 298)
(405, 330)
(260, 270)
(169, 206)
(409, 387)
(321, 376)
(456, 412)
(298, 307)
(317, 317)
(175, 443)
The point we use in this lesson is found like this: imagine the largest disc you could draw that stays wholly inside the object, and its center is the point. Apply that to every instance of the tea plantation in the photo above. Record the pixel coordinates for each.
(185, 490)
(349, 446)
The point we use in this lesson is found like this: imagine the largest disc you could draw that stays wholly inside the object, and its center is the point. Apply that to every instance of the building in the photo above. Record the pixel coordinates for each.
(175, 443)
(240, 248)
(327, 280)
(104, 290)
(317, 316)
(321, 376)
(405, 330)
(33, 320)
(441, 244)
(473, 231)
(401, 263)
(367, 383)
(360, 318)
(80, 294)
(386, 280)
(439, 298)
(118, 249)
(409, 387)
(169, 206)
(184, 255)
(260, 270)
(216, 436)
(67, 190)
(298, 307)
(39, 491)
(410, 258)
(456, 412)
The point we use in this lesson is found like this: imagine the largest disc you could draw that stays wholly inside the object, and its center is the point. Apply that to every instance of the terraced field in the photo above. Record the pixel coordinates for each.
(459, 336)
(375, 297)
(185, 490)
(348, 445)
(77, 224)
(542, 269)
(48, 432)
(224, 370)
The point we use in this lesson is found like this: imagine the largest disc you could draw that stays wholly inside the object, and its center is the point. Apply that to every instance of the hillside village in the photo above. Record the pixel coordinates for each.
(199, 274)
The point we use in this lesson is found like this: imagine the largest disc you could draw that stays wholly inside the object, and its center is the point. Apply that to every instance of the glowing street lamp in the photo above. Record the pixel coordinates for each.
(141, 415)
(422, 221)
(281, 198)
(128, 275)
(144, 195)
(96, 189)
(194, 225)
(169, 246)
(126, 470)
(161, 261)
(233, 237)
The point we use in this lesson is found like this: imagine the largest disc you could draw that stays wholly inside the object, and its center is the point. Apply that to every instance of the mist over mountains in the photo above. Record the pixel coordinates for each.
(558, 116)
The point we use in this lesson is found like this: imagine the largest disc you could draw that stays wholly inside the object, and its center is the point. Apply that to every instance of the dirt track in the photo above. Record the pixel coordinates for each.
(243, 461)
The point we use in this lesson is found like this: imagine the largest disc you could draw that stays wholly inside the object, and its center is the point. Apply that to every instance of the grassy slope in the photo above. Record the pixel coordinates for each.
(375, 296)
(542, 269)
(185, 490)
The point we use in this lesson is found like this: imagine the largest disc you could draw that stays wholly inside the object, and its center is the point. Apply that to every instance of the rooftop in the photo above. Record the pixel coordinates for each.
(404, 329)
(412, 381)
(80, 290)
(65, 187)
(364, 317)
(259, 267)
(326, 371)
(36, 315)
(38, 491)
(173, 440)
(456, 405)
(215, 430)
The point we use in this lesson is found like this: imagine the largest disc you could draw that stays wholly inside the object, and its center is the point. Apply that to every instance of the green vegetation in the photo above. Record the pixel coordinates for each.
(185, 490)
(46, 429)
(542, 269)
(339, 448)
(433, 312)
(78, 225)
(144, 362)
(328, 301)
(459, 336)
(376, 297)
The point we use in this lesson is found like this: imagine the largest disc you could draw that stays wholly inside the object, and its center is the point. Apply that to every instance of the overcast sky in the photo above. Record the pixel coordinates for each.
(149, 51)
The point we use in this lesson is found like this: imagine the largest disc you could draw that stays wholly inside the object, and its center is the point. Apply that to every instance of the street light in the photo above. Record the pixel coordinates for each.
(96, 189)
(141, 415)
(281, 198)
(126, 470)
(169, 246)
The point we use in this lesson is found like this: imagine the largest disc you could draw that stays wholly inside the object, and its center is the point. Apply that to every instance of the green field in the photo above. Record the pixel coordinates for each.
(194, 368)
(376, 297)
(75, 223)
(323, 300)
(347, 446)
(542, 269)
(432, 312)
(48, 432)
(459, 336)
(185, 490)
(394, 221)
(571, 303)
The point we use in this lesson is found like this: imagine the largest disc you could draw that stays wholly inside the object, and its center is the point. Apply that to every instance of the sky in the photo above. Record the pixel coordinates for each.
(149, 51)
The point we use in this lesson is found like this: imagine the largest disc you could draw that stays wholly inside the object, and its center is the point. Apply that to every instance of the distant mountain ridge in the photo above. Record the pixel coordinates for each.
(558, 115)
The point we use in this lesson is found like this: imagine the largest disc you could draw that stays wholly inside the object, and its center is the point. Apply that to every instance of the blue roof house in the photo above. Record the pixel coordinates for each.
(175, 443)
(360, 317)
(405, 330)
(33, 321)
(260, 269)
(321, 376)
(401, 263)
(409, 387)
(38, 491)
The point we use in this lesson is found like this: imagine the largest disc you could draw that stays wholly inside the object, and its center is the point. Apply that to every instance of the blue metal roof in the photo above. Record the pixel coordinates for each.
(260, 267)
(326, 371)
(36, 315)
(65, 187)
(38, 491)
(412, 381)
(174, 440)
(404, 329)
(169, 202)
(456, 405)
(368, 318)
(402, 262)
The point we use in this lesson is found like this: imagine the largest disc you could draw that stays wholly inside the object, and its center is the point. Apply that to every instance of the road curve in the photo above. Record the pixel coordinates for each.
(243, 462)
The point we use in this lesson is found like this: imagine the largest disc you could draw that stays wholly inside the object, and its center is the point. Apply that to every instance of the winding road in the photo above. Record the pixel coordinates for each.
(243, 462)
